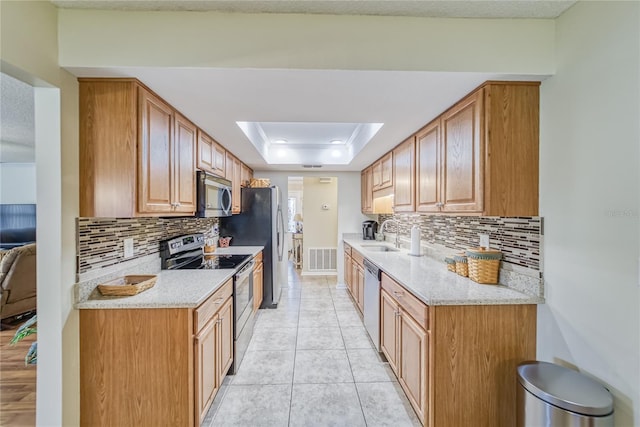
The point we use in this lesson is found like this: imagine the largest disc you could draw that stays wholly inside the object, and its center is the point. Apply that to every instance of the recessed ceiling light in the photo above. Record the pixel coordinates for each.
(336, 141)
(280, 141)
(336, 153)
(281, 153)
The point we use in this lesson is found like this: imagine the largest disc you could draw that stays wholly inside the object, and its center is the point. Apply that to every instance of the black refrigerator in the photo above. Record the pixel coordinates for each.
(260, 223)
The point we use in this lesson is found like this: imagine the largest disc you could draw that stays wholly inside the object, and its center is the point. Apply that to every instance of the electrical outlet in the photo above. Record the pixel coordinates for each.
(128, 247)
(484, 240)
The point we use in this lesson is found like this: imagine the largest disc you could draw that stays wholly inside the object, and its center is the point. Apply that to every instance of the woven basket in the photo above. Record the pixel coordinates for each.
(451, 264)
(127, 285)
(259, 182)
(484, 265)
(461, 265)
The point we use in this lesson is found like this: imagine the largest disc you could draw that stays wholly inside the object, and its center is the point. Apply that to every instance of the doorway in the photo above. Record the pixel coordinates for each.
(313, 224)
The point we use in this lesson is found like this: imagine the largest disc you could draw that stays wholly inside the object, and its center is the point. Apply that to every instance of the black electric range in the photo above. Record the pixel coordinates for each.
(186, 253)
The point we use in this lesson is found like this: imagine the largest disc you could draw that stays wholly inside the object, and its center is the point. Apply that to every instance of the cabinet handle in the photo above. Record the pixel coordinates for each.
(398, 294)
(219, 301)
(397, 313)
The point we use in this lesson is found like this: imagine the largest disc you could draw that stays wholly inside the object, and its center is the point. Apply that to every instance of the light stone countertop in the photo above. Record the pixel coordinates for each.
(431, 282)
(173, 288)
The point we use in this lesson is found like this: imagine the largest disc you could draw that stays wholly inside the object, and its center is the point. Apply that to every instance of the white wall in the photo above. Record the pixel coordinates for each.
(321, 226)
(29, 52)
(349, 216)
(589, 198)
(90, 38)
(17, 183)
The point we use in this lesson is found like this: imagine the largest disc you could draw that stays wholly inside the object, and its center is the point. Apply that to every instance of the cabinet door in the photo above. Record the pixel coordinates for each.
(155, 154)
(245, 175)
(228, 171)
(237, 185)
(257, 285)
(404, 184)
(428, 170)
(389, 329)
(367, 190)
(347, 271)
(205, 152)
(219, 157)
(376, 171)
(413, 363)
(225, 339)
(462, 156)
(184, 167)
(386, 170)
(360, 285)
(354, 281)
(205, 367)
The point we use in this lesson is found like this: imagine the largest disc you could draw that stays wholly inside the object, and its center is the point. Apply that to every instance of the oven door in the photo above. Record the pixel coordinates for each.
(243, 297)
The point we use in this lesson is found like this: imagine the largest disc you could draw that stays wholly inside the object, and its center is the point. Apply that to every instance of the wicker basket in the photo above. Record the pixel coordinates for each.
(259, 182)
(461, 265)
(484, 265)
(127, 285)
(451, 264)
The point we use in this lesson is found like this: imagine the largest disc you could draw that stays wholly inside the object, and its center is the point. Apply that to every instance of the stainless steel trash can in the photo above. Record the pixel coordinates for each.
(550, 395)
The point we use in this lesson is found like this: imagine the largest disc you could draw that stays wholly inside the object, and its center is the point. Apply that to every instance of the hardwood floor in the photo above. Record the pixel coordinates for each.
(17, 382)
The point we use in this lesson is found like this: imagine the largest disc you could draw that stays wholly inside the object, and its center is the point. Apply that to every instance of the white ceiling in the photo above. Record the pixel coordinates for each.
(424, 8)
(17, 121)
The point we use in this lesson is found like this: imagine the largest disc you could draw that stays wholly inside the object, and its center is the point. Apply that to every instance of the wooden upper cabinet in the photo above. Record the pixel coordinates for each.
(234, 174)
(211, 155)
(462, 159)
(479, 157)
(366, 190)
(428, 168)
(404, 166)
(512, 134)
(383, 172)
(155, 154)
(245, 175)
(184, 165)
(137, 154)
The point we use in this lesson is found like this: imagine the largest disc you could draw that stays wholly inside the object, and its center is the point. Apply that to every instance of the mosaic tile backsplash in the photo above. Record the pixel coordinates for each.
(519, 238)
(100, 240)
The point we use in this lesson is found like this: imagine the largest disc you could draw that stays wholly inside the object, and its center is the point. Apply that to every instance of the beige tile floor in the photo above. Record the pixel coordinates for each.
(310, 363)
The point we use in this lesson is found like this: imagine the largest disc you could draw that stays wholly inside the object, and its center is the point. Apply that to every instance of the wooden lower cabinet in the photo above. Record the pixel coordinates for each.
(154, 367)
(258, 280)
(457, 365)
(206, 372)
(224, 350)
(389, 329)
(413, 360)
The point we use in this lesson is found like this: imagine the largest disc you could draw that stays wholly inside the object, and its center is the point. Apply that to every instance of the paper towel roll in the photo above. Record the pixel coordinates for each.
(415, 240)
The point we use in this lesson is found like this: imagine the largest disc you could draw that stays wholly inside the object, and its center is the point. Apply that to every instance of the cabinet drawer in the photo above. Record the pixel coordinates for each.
(357, 258)
(412, 305)
(258, 258)
(208, 309)
(347, 249)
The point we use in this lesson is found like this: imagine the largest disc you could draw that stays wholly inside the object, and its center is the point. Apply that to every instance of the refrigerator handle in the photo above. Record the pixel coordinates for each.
(280, 232)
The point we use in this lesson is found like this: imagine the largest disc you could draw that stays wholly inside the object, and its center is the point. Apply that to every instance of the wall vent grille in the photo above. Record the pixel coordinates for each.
(322, 259)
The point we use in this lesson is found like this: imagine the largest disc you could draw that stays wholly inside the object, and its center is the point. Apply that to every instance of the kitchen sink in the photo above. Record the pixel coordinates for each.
(379, 248)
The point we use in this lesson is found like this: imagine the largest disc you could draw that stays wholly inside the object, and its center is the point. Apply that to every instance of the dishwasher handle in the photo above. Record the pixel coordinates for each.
(372, 269)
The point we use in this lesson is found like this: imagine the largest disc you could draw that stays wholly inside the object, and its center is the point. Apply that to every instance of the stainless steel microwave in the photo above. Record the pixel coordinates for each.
(214, 195)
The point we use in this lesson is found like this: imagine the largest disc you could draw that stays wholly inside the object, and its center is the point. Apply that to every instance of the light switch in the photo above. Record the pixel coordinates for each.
(128, 247)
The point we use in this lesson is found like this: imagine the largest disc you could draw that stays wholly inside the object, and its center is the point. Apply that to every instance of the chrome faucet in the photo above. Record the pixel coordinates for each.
(397, 229)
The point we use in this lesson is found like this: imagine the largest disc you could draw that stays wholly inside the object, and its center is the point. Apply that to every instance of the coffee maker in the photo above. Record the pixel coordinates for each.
(369, 229)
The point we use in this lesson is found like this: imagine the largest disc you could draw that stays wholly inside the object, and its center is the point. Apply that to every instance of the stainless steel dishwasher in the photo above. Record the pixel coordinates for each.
(372, 302)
